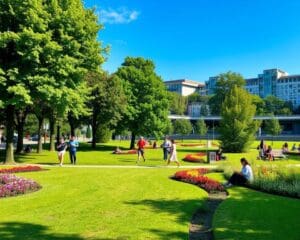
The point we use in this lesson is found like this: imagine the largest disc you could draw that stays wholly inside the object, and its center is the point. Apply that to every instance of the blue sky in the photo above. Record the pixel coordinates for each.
(195, 39)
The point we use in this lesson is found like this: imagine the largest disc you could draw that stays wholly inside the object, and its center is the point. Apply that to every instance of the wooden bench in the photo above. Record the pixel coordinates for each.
(277, 153)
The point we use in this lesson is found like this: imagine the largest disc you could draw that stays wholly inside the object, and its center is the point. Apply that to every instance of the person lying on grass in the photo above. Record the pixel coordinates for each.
(242, 177)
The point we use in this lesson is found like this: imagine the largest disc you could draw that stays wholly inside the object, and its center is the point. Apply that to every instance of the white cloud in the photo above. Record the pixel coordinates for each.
(118, 16)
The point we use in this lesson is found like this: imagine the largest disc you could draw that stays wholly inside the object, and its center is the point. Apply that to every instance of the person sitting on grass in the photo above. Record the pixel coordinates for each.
(242, 177)
(117, 150)
(294, 147)
(269, 153)
(285, 148)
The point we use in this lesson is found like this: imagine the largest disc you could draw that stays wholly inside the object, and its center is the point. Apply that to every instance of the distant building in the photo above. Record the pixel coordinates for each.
(185, 87)
(194, 109)
(271, 82)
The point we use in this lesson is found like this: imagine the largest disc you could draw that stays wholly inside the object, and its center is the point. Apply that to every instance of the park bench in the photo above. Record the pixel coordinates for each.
(277, 153)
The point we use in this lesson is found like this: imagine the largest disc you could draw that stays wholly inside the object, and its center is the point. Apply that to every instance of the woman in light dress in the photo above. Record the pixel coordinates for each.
(173, 154)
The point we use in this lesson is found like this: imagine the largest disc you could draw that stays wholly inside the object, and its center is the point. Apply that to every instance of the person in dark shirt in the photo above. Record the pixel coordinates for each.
(61, 150)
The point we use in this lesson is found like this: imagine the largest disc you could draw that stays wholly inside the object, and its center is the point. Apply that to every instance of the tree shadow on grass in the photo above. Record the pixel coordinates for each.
(30, 231)
(183, 211)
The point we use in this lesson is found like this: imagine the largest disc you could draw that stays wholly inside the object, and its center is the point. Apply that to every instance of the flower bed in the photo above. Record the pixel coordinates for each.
(127, 152)
(285, 182)
(198, 157)
(11, 185)
(192, 144)
(21, 169)
(196, 177)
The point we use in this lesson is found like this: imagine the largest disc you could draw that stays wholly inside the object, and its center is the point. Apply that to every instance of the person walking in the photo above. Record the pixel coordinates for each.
(73, 145)
(242, 177)
(173, 154)
(141, 146)
(61, 150)
(166, 145)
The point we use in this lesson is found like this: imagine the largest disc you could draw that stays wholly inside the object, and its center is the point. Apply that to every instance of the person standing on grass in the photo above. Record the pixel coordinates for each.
(141, 146)
(242, 177)
(61, 150)
(173, 154)
(166, 145)
(73, 145)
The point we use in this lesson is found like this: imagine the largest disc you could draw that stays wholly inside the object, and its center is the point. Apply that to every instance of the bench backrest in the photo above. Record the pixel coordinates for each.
(277, 152)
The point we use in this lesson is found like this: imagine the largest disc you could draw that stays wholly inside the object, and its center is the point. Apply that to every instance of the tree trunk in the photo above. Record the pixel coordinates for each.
(52, 134)
(20, 144)
(21, 118)
(94, 134)
(9, 159)
(132, 142)
(72, 127)
(57, 134)
(40, 129)
(72, 124)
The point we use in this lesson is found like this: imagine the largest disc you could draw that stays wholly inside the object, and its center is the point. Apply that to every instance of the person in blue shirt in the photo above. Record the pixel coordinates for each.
(73, 145)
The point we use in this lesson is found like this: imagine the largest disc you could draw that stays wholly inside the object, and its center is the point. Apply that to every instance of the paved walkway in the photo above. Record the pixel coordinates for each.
(119, 166)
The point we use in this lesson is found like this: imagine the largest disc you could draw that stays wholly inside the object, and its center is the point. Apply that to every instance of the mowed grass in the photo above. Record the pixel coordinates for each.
(95, 203)
(248, 214)
(101, 204)
(102, 155)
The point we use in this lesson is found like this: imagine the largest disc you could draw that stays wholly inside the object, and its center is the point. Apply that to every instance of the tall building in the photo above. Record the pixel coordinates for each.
(185, 87)
(271, 82)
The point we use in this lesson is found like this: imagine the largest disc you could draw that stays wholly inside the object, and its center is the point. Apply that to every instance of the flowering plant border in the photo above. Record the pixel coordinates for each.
(11, 185)
(18, 169)
(198, 157)
(196, 177)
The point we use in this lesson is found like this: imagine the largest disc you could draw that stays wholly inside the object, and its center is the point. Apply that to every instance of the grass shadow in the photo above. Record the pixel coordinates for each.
(30, 231)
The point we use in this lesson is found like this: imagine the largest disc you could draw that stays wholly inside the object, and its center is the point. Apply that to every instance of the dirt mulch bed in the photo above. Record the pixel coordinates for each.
(201, 223)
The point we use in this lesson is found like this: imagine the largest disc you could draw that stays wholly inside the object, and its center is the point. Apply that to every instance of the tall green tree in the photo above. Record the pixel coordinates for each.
(178, 103)
(273, 127)
(107, 102)
(182, 126)
(147, 99)
(200, 127)
(237, 127)
(225, 83)
(277, 106)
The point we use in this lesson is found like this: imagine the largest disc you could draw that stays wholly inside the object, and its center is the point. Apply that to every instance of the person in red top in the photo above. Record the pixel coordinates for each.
(141, 144)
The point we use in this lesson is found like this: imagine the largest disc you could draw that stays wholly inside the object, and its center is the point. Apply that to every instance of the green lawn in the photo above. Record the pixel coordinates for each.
(101, 204)
(97, 203)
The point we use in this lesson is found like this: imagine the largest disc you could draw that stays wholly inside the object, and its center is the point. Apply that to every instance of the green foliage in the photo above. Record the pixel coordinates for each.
(260, 104)
(277, 106)
(103, 134)
(200, 127)
(147, 99)
(182, 126)
(237, 127)
(196, 97)
(273, 127)
(178, 103)
(276, 180)
(204, 111)
(224, 84)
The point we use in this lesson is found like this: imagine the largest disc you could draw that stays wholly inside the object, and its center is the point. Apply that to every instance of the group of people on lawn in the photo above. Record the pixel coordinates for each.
(168, 146)
(169, 155)
(62, 146)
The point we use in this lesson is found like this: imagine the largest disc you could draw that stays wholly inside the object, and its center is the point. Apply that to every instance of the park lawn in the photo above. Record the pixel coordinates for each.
(248, 214)
(102, 155)
(93, 203)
